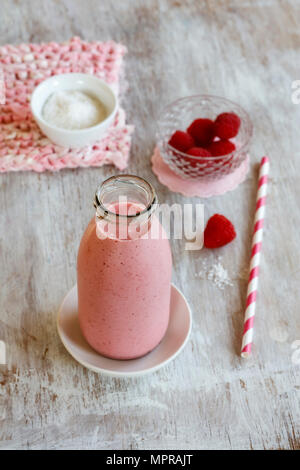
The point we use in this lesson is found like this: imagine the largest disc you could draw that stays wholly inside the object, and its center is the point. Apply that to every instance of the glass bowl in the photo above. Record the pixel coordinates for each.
(179, 115)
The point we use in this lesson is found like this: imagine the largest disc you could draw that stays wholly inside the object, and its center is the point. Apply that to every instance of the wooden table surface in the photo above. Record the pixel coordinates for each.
(208, 397)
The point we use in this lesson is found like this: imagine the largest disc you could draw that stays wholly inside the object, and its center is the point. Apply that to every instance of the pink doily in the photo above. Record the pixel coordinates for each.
(22, 144)
(197, 187)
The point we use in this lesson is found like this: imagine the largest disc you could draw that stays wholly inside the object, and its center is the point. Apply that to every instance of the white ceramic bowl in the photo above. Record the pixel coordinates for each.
(74, 81)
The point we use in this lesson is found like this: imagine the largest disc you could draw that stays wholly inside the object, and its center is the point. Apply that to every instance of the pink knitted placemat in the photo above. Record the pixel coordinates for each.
(22, 144)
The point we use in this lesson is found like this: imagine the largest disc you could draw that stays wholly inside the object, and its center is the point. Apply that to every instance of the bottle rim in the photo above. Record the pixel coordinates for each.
(130, 179)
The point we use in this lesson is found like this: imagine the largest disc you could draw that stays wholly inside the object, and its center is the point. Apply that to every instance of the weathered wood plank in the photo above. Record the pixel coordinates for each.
(207, 398)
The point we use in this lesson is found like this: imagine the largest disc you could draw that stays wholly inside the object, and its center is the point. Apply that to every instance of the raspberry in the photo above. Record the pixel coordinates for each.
(221, 147)
(202, 130)
(181, 141)
(198, 152)
(218, 232)
(227, 125)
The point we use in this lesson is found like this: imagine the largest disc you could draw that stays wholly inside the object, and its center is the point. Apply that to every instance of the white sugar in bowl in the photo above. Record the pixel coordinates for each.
(96, 90)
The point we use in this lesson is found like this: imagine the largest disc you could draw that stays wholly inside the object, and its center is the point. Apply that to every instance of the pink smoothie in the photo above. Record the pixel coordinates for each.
(123, 292)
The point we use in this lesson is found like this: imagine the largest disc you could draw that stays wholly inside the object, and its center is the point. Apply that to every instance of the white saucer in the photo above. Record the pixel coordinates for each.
(175, 339)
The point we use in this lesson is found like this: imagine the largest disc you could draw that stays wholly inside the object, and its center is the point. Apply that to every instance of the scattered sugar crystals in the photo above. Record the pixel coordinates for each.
(219, 275)
(215, 273)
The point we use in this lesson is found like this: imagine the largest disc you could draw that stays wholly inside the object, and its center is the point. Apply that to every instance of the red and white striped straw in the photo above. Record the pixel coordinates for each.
(255, 257)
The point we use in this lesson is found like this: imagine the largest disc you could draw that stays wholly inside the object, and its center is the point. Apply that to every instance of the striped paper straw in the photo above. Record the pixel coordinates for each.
(255, 257)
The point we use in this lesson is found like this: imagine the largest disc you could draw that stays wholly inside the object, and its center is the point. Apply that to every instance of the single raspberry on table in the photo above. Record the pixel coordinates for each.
(227, 125)
(202, 130)
(181, 141)
(221, 147)
(218, 232)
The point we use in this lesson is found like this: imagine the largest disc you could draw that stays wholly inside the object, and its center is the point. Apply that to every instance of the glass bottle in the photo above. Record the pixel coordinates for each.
(124, 271)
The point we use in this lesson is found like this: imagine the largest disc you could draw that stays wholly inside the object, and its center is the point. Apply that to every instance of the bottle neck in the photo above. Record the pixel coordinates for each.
(124, 207)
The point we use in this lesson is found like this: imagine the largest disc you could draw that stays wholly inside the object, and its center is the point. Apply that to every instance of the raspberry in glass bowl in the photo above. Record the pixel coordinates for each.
(196, 116)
